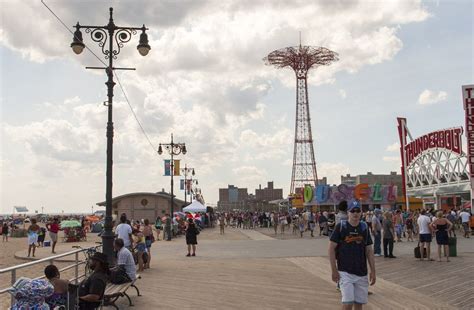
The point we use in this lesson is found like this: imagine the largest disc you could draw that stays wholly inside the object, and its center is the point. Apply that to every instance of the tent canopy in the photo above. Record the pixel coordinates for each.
(194, 207)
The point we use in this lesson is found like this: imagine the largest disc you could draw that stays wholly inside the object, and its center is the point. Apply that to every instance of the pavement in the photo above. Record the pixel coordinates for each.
(250, 269)
(256, 269)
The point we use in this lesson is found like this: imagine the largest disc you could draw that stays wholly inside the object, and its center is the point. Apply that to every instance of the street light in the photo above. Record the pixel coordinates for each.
(187, 170)
(111, 39)
(173, 149)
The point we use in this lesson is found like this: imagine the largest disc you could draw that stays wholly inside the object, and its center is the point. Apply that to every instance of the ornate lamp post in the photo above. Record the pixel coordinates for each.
(111, 39)
(185, 171)
(173, 149)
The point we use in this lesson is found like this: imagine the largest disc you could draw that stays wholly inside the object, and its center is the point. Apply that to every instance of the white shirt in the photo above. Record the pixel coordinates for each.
(424, 224)
(123, 231)
(125, 258)
(464, 216)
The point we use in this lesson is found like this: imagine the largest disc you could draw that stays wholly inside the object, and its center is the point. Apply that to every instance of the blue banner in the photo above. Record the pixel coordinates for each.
(167, 167)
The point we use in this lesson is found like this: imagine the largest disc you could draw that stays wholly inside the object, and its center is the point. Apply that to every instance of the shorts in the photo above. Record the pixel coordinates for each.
(53, 236)
(398, 229)
(465, 225)
(354, 289)
(425, 237)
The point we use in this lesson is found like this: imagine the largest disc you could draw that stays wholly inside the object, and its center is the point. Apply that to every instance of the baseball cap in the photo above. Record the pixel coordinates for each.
(354, 204)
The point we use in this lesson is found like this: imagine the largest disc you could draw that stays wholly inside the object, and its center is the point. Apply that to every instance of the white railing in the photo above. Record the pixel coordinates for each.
(78, 260)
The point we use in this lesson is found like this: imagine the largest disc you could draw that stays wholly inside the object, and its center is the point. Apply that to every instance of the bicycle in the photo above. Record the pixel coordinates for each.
(88, 253)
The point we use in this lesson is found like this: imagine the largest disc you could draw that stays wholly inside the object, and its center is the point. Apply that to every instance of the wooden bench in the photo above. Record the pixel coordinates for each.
(114, 291)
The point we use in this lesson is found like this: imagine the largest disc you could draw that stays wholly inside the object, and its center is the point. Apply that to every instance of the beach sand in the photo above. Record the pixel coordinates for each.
(20, 247)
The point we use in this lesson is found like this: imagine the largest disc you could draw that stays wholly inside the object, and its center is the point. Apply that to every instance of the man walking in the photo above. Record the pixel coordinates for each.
(377, 232)
(425, 234)
(349, 251)
(465, 216)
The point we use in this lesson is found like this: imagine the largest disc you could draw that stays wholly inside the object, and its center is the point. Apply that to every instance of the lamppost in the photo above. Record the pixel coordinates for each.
(173, 149)
(187, 170)
(111, 39)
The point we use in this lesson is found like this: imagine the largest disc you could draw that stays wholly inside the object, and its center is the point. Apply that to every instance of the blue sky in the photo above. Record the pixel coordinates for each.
(205, 80)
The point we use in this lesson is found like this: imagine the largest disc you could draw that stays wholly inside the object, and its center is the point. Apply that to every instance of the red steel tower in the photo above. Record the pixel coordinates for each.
(301, 59)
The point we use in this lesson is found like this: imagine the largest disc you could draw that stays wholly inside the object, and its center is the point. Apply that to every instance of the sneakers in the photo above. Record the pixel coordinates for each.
(377, 255)
(391, 256)
(188, 254)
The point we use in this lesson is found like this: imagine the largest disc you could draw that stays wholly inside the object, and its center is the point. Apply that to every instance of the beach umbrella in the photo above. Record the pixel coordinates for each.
(70, 224)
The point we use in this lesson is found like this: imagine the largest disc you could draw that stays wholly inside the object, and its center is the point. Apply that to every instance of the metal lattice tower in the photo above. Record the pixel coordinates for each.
(301, 59)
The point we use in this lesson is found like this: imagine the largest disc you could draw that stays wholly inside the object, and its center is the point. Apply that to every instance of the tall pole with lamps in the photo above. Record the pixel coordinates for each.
(111, 39)
(173, 149)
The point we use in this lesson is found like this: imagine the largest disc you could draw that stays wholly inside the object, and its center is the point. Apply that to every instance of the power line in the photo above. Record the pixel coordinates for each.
(116, 76)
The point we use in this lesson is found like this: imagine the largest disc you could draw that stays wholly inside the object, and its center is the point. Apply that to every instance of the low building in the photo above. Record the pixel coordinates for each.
(143, 205)
(232, 197)
(269, 193)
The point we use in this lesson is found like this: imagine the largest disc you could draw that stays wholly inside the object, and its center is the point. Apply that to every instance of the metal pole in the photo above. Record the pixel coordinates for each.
(171, 206)
(107, 235)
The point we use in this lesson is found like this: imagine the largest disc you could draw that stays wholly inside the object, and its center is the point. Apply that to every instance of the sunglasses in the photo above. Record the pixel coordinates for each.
(357, 210)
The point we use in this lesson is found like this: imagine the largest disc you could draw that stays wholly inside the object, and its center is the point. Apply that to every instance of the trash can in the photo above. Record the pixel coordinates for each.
(452, 247)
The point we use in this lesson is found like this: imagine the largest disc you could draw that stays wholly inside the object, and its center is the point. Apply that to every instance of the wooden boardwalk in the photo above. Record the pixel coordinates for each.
(261, 273)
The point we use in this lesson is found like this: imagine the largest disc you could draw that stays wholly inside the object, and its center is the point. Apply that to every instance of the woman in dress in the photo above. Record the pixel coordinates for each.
(191, 237)
(441, 226)
(32, 237)
(149, 239)
(409, 227)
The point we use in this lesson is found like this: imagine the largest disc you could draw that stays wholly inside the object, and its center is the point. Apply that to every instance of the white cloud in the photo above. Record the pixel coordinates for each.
(332, 171)
(342, 93)
(392, 159)
(395, 147)
(431, 97)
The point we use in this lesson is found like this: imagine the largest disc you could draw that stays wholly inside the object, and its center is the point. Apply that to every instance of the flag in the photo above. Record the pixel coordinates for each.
(188, 185)
(167, 167)
(181, 184)
(176, 167)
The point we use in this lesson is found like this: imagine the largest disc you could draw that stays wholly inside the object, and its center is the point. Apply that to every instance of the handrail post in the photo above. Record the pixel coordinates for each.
(76, 270)
(13, 280)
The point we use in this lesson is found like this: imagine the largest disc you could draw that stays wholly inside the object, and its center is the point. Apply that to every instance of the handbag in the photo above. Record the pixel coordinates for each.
(118, 275)
(417, 252)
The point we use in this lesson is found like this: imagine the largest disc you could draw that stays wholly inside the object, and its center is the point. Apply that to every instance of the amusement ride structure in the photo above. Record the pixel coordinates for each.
(301, 59)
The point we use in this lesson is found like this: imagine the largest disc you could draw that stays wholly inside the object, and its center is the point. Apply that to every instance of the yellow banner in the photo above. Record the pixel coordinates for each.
(176, 167)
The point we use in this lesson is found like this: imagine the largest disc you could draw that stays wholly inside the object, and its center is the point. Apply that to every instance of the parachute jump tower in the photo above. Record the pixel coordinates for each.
(301, 59)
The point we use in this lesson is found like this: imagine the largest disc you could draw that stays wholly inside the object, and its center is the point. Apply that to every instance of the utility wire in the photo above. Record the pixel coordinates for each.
(134, 114)
(118, 80)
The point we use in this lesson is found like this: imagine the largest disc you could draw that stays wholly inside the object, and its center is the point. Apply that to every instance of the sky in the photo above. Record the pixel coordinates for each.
(205, 81)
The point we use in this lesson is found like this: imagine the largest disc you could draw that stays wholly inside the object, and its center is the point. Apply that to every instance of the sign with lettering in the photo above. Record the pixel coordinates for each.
(468, 100)
(449, 139)
(365, 193)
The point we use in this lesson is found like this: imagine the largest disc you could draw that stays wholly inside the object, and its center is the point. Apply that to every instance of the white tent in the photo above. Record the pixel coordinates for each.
(194, 207)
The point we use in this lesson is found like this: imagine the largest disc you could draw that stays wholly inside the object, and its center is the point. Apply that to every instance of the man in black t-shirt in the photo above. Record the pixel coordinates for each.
(349, 250)
(92, 289)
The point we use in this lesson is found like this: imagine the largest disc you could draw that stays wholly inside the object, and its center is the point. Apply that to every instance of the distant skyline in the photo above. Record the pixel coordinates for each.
(204, 80)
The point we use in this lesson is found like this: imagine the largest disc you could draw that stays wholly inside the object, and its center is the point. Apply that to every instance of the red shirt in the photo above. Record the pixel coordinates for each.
(53, 227)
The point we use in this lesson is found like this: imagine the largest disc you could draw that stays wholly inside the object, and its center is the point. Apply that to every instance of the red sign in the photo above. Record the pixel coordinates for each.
(449, 139)
(468, 100)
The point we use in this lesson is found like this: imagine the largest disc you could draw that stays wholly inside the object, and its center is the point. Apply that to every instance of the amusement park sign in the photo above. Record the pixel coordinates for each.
(449, 139)
(332, 195)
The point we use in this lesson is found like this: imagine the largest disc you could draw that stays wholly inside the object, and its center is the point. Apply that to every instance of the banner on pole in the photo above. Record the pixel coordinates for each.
(176, 167)
(181, 184)
(167, 167)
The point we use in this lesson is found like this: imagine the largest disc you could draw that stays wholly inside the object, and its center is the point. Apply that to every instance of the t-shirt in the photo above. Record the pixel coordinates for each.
(424, 224)
(123, 231)
(94, 284)
(54, 228)
(341, 216)
(350, 250)
(464, 216)
(376, 225)
(125, 258)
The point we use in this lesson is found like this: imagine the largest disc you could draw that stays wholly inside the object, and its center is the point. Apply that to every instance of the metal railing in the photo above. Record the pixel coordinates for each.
(78, 261)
